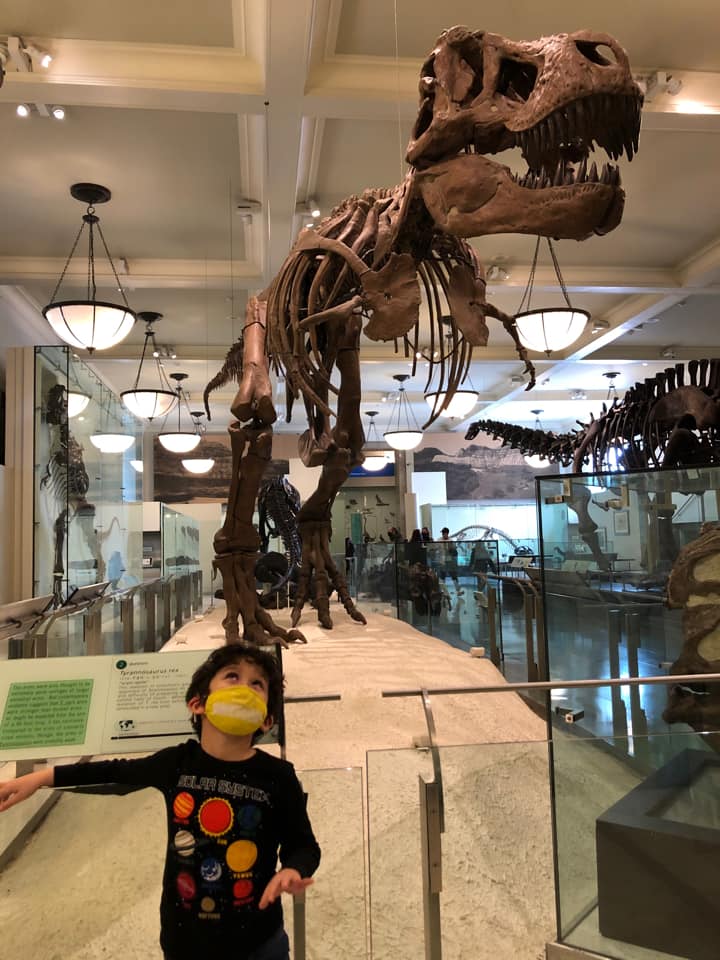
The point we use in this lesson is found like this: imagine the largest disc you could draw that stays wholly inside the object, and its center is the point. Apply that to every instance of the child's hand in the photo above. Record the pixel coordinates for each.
(286, 880)
(14, 791)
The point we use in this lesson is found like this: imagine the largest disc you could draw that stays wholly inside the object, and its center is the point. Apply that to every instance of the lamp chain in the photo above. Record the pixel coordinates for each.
(67, 262)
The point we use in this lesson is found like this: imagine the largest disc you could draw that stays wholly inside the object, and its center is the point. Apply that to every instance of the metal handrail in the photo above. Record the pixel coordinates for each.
(684, 678)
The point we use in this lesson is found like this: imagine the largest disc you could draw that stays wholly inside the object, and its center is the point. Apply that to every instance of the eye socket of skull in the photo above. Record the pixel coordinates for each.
(516, 79)
(592, 52)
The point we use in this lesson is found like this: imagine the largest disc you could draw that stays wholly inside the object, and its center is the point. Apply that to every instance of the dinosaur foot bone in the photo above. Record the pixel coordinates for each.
(319, 572)
(242, 600)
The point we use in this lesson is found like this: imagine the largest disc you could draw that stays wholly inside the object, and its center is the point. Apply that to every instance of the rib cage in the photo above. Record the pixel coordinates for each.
(371, 227)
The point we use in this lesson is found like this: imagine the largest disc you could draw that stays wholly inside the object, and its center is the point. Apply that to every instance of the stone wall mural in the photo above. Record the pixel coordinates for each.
(478, 472)
(173, 484)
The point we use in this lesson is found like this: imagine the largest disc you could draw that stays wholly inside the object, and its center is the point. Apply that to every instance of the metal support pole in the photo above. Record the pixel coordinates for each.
(179, 602)
(299, 927)
(492, 626)
(150, 609)
(432, 825)
(638, 716)
(92, 621)
(619, 713)
(542, 649)
(528, 602)
(430, 830)
(166, 598)
(128, 623)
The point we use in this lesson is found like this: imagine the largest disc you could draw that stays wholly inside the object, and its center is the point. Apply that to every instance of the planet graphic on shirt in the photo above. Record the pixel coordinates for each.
(241, 855)
(184, 843)
(215, 817)
(242, 889)
(183, 805)
(186, 886)
(248, 817)
(211, 870)
(207, 904)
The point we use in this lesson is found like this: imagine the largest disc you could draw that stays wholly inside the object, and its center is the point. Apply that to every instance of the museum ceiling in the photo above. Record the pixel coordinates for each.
(166, 105)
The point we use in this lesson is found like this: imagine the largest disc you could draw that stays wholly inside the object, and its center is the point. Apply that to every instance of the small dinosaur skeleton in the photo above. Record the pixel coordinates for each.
(369, 266)
(278, 507)
(66, 478)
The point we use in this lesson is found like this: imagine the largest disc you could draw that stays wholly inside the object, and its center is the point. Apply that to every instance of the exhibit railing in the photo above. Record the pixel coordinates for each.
(612, 858)
(519, 835)
(93, 620)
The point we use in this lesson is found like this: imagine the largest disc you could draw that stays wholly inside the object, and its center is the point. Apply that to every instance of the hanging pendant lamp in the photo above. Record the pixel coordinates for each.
(112, 442)
(551, 328)
(77, 401)
(179, 441)
(462, 401)
(199, 464)
(146, 402)
(90, 324)
(401, 433)
(536, 462)
(377, 457)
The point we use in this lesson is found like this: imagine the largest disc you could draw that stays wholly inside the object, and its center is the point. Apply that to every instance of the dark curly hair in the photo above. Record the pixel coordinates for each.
(235, 653)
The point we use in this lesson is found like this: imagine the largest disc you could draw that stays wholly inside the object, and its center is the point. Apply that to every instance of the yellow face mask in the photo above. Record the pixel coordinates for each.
(236, 711)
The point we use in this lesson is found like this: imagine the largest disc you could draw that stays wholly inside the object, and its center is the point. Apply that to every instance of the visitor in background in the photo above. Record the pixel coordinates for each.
(449, 560)
(426, 535)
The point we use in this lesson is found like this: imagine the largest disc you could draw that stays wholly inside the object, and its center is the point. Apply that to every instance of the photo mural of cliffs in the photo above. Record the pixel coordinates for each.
(173, 484)
(477, 472)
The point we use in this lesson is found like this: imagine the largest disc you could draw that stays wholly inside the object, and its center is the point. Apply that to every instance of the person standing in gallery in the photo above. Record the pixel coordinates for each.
(449, 560)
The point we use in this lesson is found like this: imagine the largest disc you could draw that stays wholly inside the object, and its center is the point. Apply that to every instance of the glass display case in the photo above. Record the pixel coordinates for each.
(608, 545)
(88, 527)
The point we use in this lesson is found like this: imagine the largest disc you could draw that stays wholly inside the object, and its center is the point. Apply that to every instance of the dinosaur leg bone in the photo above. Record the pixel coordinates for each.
(314, 517)
(236, 544)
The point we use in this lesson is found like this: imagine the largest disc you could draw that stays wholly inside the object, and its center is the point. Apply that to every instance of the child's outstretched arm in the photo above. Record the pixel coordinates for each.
(14, 791)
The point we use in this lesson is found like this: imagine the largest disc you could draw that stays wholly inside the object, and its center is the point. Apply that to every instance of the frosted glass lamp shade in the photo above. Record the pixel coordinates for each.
(76, 401)
(199, 465)
(403, 439)
(553, 329)
(374, 462)
(537, 463)
(460, 406)
(179, 442)
(112, 442)
(90, 324)
(148, 404)
(137, 465)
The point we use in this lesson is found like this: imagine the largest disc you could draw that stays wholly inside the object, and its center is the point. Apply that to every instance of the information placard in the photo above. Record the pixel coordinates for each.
(87, 706)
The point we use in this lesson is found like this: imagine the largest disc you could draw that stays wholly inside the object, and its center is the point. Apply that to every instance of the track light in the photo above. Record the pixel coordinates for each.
(58, 112)
(313, 208)
(39, 57)
(22, 110)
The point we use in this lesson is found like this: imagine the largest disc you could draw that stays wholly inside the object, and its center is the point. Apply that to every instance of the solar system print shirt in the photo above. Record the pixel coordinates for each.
(227, 821)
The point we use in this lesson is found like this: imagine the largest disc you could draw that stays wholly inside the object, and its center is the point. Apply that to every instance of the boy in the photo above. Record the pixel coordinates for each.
(229, 808)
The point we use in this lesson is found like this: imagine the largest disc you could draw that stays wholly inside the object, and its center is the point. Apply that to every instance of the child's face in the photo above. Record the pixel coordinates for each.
(241, 673)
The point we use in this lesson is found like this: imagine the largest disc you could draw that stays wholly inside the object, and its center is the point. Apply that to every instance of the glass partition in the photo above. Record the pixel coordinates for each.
(88, 515)
(497, 897)
(637, 845)
(335, 910)
(180, 542)
(97, 887)
(609, 543)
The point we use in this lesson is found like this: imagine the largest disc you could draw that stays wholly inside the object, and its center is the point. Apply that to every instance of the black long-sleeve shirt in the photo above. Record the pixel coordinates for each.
(226, 823)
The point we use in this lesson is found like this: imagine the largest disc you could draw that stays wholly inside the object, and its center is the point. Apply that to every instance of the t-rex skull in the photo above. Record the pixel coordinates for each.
(554, 98)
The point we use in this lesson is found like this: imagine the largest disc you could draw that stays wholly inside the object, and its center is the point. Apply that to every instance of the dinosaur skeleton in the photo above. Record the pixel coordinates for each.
(278, 506)
(66, 478)
(369, 265)
(661, 422)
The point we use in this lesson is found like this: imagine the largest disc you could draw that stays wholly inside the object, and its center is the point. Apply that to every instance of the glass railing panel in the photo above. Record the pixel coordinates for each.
(335, 906)
(497, 898)
(637, 840)
(82, 920)
(376, 576)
